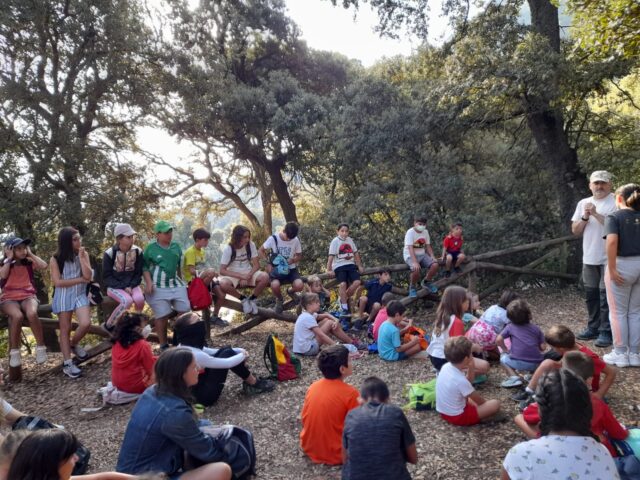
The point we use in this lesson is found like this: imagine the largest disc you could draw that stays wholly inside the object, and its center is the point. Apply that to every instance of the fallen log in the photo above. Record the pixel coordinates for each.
(525, 271)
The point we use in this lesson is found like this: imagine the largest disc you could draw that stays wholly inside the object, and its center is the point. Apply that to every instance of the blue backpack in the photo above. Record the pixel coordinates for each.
(280, 264)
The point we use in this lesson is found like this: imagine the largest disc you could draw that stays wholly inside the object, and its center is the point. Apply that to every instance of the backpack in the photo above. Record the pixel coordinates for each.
(280, 264)
(237, 450)
(233, 252)
(415, 331)
(279, 362)
(422, 396)
(199, 295)
(94, 294)
(38, 423)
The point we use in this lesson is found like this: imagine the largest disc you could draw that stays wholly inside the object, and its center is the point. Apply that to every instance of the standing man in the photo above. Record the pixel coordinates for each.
(588, 221)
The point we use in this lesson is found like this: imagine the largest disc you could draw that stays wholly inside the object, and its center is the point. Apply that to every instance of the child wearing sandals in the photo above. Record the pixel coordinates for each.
(18, 298)
(527, 343)
(70, 273)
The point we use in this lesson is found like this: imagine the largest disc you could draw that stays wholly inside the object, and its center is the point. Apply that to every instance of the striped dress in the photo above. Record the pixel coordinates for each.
(67, 299)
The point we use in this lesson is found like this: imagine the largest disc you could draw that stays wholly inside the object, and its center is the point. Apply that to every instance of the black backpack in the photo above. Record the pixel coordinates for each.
(237, 449)
(38, 423)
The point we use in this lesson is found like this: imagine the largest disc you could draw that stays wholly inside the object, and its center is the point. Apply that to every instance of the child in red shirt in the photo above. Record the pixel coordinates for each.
(131, 358)
(326, 405)
(603, 422)
(452, 253)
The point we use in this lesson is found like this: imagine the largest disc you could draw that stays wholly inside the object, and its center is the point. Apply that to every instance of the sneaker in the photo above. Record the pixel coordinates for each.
(71, 370)
(108, 328)
(279, 306)
(254, 305)
(520, 396)
(413, 293)
(359, 345)
(15, 360)
(634, 359)
(262, 385)
(41, 355)
(219, 322)
(587, 334)
(526, 402)
(246, 305)
(457, 270)
(431, 287)
(512, 382)
(618, 359)
(80, 352)
(604, 340)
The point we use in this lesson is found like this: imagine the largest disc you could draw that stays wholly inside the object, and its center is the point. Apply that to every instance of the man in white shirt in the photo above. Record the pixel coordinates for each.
(588, 221)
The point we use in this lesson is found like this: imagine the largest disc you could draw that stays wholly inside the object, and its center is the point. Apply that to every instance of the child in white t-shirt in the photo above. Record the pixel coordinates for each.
(346, 265)
(311, 331)
(418, 254)
(457, 402)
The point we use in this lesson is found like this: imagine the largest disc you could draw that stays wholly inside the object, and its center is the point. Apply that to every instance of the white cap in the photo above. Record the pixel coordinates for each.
(123, 229)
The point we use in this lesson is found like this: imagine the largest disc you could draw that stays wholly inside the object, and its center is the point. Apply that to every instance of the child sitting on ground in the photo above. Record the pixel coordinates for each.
(382, 315)
(456, 400)
(377, 427)
(390, 346)
(603, 422)
(371, 302)
(314, 285)
(496, 315)
(448, 324)
(562, 340)
(527, 343)
(312, 330)
(452, 253)
(326, 405)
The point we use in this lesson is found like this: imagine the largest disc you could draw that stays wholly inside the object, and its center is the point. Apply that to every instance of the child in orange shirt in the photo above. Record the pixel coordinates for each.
(326, 405)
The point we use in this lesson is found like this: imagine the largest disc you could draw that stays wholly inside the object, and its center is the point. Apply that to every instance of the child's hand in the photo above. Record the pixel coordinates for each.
(415, 267)
(330, 273)
(8, 253)
(268, 267)
(128, 290)
(148, 288)
(82, 253)
(409, 322)
(361, 269)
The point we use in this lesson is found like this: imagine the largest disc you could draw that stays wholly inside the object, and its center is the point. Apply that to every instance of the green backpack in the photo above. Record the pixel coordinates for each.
(422, 396)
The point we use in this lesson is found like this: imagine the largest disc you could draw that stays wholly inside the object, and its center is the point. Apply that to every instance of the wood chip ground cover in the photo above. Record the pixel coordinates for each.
(445, 452)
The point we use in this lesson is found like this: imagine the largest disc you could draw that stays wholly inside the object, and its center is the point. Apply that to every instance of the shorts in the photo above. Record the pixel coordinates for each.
(437, 362)
(235, 281)
(518, 364)
(370, 304)
(164, 301)
(314, 349)
(425, 261)
(469, 416)
(347, 274)
(291, 277)
(19, 302)
(454, 256)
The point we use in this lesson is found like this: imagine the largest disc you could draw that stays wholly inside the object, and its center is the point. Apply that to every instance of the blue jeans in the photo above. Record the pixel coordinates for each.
(519, 364)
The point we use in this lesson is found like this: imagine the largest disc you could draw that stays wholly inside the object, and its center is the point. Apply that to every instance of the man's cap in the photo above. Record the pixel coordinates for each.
(15, 241)
(162, 226)
(600, 176)
(123, 229)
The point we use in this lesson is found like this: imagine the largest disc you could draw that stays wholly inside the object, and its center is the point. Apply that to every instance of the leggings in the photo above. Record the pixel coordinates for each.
(624, 305)
(124, 302)
(211, 382)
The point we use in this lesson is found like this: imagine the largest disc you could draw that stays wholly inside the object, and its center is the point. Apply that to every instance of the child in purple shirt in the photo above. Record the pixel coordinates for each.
(527, 343)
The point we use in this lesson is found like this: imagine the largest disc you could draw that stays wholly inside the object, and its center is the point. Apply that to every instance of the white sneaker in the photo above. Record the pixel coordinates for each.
(634, 359)
(41, 355)
(246, 305)
(71, 370)
(14, 358)
(618, 359)
(80, 352)
(254, 306)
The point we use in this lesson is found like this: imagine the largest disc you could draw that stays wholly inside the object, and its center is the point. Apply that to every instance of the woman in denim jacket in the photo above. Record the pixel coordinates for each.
(163, 427)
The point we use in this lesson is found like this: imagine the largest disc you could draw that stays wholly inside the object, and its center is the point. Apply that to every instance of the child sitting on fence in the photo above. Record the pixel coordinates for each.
(448, 324)
(18, 298)
(390, 346)
(346, 265)
(312, 331)
(376, 426)
(562, 340)
(326, 405)
(70, 272)
(131, 358)
(195, 259)
(457, 402)
(603, 422)
(122, 273)
(369, 305)
(527, 343)
(418, 254)
(452, 253)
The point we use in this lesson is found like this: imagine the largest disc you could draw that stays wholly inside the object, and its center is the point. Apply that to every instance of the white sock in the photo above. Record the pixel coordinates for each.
(344, 306)
(529, 391)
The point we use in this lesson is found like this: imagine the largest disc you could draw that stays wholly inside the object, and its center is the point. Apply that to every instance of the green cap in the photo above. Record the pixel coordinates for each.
(162, 226)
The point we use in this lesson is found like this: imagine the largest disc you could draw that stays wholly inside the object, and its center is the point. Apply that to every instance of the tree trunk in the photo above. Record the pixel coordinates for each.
(281, 190)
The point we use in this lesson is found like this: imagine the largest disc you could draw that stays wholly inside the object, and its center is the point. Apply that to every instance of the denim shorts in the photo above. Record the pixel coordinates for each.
(519, 364)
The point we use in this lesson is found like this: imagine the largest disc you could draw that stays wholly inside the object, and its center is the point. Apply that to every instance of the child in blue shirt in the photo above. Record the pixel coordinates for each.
(369, 305)
(390, 347)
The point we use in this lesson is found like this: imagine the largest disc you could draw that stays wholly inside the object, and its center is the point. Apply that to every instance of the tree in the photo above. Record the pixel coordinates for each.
(73, 83)
(244, 89)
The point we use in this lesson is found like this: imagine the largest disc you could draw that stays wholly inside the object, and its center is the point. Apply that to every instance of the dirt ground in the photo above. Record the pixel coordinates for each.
(445, 451)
